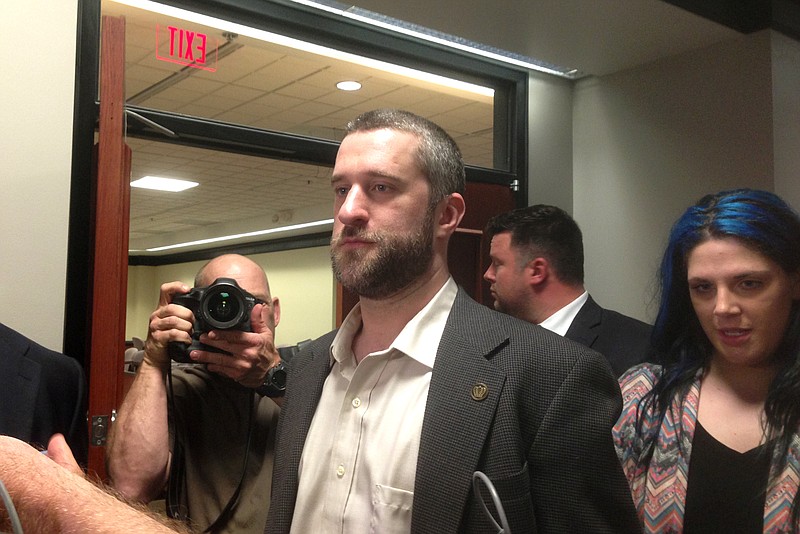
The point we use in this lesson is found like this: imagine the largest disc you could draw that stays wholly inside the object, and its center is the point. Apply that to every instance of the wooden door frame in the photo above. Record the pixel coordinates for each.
(110, 247)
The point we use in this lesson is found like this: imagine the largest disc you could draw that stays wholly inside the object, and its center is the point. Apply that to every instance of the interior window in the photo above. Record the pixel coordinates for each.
(202, 67)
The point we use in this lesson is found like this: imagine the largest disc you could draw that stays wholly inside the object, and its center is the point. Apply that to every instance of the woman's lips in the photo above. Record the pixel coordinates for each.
(734, 336)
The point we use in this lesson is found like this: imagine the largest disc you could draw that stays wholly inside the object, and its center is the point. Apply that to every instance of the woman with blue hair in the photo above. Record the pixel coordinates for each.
(709, 439)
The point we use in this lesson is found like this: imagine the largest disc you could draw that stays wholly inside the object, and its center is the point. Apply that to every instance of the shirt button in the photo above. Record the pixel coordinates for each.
(356, 402)
(340, 471)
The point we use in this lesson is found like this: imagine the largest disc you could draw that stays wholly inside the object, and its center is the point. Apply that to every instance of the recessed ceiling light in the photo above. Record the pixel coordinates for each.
(163, 184)
(348, 85)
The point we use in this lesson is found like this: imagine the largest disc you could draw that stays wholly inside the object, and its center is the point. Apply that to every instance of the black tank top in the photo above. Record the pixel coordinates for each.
(726, 488)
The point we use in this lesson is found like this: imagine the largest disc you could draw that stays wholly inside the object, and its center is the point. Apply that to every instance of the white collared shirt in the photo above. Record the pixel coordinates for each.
(561, 320)
(359, 460)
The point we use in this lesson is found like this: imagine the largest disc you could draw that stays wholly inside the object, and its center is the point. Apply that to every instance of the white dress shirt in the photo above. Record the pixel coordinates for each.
(359, 460)
(561, 320)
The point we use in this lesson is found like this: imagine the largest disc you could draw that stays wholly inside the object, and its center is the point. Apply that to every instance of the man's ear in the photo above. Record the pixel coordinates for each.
(452, 209)
(276, 310)
(537, 270)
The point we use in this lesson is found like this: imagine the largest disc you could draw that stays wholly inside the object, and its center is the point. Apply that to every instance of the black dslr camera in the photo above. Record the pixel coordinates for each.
(221, 306)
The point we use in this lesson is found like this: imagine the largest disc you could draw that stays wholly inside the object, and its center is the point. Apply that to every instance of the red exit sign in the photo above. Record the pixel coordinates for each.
(186, 47)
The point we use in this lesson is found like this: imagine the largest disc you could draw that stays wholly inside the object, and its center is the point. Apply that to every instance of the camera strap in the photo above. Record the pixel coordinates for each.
(177, 469)
(176, 482)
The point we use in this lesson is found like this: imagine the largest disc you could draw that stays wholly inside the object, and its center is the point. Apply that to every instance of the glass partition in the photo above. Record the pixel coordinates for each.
(199, 66)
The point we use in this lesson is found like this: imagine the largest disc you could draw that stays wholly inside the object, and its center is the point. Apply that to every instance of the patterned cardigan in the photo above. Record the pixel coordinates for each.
(659, 488)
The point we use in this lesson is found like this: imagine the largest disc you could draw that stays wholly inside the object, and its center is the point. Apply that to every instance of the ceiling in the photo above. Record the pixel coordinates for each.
(272, 87)
(597, 37)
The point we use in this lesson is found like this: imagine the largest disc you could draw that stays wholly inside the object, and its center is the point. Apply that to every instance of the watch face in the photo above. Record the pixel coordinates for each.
(278, 377)
(275, 382)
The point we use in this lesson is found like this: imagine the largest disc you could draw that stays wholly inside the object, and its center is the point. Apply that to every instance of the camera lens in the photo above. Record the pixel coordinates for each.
(223, 309)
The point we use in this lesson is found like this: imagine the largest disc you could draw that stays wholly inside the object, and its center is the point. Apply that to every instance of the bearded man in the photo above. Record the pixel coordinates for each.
(388, 419)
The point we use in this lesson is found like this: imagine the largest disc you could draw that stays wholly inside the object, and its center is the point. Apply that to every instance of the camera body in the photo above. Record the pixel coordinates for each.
(223, 305)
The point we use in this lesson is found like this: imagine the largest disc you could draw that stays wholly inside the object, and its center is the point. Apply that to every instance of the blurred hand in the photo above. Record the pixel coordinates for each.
(60, 453)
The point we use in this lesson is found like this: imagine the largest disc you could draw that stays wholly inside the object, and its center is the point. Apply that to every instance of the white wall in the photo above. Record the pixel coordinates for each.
(301, 279)
(37, 54)
(549, 141)
(786, 116)
(649, 142)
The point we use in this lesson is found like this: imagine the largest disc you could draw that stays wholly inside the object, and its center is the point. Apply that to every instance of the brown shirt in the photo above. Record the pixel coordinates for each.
(213, 416)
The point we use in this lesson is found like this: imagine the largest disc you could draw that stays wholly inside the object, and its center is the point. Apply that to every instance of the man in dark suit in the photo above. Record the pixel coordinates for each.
(43, 393)
(387, 420)
(536, 275)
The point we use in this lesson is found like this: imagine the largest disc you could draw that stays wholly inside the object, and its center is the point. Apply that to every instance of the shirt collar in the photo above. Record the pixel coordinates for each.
(561, 320)
(419, 339)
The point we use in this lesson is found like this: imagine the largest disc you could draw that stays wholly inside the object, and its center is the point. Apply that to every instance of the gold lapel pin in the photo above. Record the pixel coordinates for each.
(480, 391)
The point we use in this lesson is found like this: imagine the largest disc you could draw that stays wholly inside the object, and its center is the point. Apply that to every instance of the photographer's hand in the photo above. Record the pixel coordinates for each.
(169, 322)
(252, 353)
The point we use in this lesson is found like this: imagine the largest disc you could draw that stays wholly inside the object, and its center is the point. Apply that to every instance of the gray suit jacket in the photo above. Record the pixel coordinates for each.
(41, 392)
(623, 340)
(542, 435)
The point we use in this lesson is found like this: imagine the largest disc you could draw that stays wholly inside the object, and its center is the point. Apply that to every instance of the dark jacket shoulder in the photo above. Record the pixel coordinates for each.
(623, 340)
(47, 390)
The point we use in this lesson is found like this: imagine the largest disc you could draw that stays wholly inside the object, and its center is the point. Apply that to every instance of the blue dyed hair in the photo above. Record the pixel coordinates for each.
(765, 223)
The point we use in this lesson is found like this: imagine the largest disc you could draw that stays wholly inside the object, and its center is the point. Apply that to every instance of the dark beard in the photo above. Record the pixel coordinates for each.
(391, 264)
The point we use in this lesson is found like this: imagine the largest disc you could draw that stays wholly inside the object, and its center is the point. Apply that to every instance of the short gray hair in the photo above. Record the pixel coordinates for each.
(438, 154)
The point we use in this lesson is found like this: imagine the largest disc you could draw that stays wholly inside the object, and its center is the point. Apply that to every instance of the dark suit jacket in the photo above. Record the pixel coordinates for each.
(41, 392)
(623, 340)
(542, 435)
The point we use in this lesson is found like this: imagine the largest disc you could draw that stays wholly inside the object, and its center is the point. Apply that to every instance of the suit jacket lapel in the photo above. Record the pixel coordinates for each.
(462, 400)
(584, 327)
(307, 373)
(308, 380)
